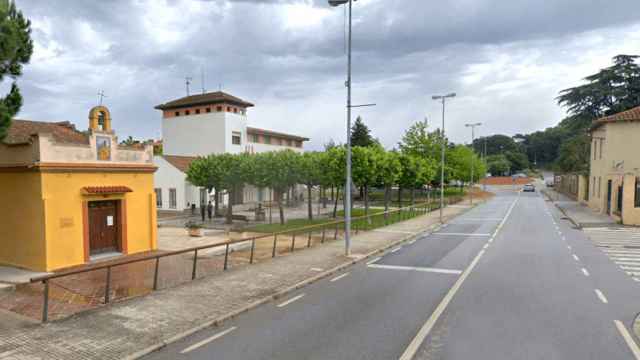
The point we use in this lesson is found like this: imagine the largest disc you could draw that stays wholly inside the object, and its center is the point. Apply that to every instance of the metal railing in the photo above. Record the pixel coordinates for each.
(360, 223)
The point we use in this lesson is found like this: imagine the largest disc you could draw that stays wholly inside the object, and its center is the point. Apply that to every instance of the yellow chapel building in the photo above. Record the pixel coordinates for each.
(70, 197)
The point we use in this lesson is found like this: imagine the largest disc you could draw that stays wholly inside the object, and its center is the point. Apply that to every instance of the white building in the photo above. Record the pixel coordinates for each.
(203, 124)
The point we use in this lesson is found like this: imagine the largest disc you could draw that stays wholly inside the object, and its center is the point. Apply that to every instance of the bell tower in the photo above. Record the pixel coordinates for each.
(100, 119)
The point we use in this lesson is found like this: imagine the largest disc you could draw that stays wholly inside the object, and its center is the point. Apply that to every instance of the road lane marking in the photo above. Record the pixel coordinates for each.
(411, 242)
(290, 301)
(374, 260)
(207, 340)
(396, 249)
(424, 331)
(485, 246)
(628, 339)
(585, 272)
(460, 234)
(416, 268)
(569, 247)
(316, 269)
(339, 277)
(575, 257)
(601, 296)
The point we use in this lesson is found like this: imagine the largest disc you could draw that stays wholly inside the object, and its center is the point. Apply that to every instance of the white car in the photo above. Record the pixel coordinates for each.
(529, 188)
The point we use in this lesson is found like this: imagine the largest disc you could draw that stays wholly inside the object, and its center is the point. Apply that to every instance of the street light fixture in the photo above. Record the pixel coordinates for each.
(443, 98)
(473, 137)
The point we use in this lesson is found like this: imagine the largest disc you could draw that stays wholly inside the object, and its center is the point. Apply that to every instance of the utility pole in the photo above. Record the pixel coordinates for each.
(443, 98)
(187, 83)
(473, 137)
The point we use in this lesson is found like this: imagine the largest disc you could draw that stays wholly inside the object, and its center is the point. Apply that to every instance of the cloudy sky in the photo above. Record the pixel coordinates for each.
(507, 60)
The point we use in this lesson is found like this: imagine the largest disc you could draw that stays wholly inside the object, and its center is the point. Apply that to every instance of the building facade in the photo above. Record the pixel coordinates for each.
(204, 124)
(613, 185)
(68, 197)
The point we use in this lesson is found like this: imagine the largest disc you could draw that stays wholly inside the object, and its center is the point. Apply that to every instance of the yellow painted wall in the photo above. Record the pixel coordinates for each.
(21, 220)
(63, 202)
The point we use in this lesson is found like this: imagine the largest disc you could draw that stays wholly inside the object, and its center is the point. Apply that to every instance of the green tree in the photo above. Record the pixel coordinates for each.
(498, 165)
(418, 141)
(206, 172)
(416, 172)
(389, 173)
(16, 48)
(361, 135)
(283, 172)
(334, 167)
(574, 154)
(518, 160)
(365, 166)
(310, 166)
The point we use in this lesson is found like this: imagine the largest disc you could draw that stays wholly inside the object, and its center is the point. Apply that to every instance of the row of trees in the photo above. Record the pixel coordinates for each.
(412, 167)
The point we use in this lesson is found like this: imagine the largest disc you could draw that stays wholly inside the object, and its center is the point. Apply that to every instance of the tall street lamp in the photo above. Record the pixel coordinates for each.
(443, 98)
(473, 137)
(347, 187)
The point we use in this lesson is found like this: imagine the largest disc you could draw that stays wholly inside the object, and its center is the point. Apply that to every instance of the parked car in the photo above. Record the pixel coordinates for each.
(549, 183)
(529, 188)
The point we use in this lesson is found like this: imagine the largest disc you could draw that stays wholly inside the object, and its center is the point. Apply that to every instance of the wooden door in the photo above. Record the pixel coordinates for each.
(103, 227)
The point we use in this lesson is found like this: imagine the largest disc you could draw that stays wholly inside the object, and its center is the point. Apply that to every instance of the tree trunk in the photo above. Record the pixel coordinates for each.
(309, 205)
(399, 196)
(332, 193)
(335, 206)
(366, 202)
(230, 206)
(362, 190)
(387, 195)
(324, 197)
(288, 197)
(413, 196)
(280, 207)
(216, 204)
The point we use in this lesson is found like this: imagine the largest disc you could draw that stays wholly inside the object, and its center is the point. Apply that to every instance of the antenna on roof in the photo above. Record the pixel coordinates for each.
(219, 86)
(202, 79)
(101, 95)
(187, 83)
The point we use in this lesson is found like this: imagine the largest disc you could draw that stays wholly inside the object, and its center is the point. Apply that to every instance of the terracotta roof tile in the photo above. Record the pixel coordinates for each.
(21, 131)
(628, 115)
(252, 130)
(106, 189)
(216, 97)
(179, 162)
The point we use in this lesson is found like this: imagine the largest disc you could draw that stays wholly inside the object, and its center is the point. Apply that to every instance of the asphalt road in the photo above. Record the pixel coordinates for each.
(499, 282)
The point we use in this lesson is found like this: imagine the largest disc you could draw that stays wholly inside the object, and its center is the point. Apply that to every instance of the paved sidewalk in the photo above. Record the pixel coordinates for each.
(131, 328)
(580, 214)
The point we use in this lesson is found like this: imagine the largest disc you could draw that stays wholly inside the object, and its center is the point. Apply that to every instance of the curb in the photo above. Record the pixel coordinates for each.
(575, 224)
(221, 319)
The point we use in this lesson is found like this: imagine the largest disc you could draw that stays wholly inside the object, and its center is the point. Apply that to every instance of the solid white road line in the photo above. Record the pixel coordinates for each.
(601, 296)
(207, 340)
(460, 234)
(415, 268)
(374, 260)
(411, 242)
(395, 231)
(339, 277)
(290, 301)
(628, 339)
(316, 269)
(569, 247)
(424, 331)
(575, 257)
(396, 249)
(485, 246)
(585, 272)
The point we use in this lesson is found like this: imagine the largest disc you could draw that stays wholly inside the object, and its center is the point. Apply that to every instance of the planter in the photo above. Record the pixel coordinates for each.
(195, 232)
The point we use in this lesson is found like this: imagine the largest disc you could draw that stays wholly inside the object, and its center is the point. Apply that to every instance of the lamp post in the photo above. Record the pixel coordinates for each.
(347, 187)
(443, 98)
(473, 137)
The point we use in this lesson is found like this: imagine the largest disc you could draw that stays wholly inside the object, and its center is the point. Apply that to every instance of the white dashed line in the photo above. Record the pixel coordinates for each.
(396, 249)
(290, 301)
(316, 269)
(628, 339)
(415, 268)
(569, 247)
(585, 272)
(601, 296)
(339, 277)
(575, 257)
(460, 234)
(207, 340)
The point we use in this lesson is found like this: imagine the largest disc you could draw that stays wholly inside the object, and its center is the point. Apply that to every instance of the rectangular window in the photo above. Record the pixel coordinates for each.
(267, 139)
(173, 200)
(158, 192)
(593, 187)
(254, 138)
(186, 112)
(218, 108)
(197, 111)
(636, 202)
(235, 110)
(229, 108)
(599, 187)
(235, 138)
(595, 148)
(208, 110)
(289, 142)
(601, 144)
(177, 113)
